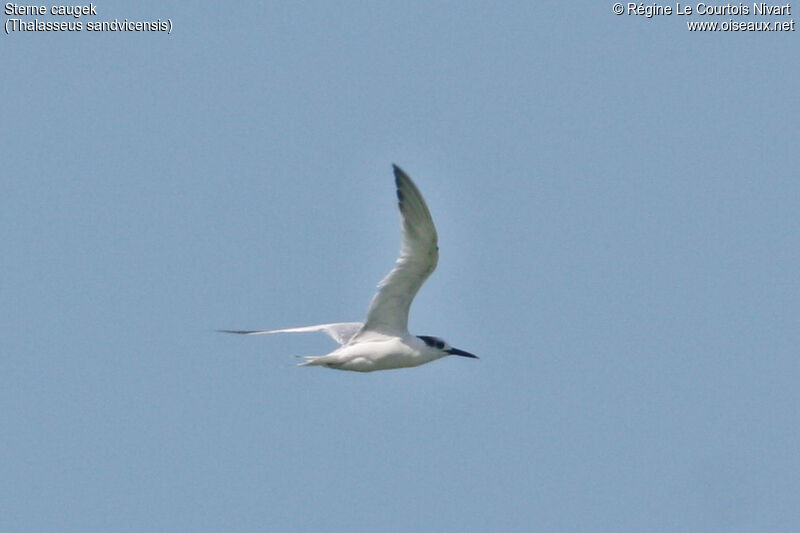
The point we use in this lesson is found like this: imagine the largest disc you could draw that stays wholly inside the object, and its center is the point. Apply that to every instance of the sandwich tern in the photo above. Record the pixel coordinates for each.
(382, 341)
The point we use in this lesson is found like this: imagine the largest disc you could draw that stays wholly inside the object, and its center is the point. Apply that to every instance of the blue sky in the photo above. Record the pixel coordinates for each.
(617, 207)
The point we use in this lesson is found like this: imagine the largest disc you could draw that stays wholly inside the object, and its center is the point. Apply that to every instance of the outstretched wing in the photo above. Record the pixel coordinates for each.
(341, 332)
(419, 253)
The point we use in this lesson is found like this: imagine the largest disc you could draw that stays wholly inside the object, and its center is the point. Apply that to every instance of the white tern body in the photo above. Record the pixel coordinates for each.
(382, 341)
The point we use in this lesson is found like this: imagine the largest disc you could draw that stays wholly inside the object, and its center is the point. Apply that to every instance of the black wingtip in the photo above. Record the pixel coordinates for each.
(397, 173)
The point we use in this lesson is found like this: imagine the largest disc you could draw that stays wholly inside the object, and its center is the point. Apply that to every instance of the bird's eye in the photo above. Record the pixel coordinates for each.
(439, 344)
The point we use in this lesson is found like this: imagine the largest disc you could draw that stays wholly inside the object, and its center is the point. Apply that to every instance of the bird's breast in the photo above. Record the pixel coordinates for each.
(380, 355)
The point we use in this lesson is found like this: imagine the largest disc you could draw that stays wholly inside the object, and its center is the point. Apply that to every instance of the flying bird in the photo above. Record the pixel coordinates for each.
(382, 341)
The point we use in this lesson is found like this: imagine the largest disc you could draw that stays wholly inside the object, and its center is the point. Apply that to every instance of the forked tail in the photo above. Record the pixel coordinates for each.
(315, 360)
